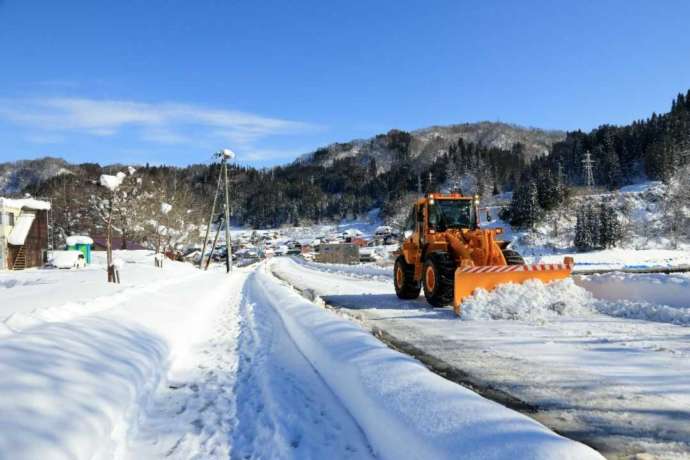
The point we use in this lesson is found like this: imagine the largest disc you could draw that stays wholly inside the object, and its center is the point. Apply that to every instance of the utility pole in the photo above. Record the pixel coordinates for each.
(224, 155)
(588, 166)
(227, 155)
(210, 221)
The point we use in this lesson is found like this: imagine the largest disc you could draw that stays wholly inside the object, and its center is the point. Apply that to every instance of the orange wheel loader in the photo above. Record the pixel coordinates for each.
(446, 253)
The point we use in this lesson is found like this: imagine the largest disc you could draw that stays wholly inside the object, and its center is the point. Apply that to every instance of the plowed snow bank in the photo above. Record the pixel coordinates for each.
(405, 410)
(536, 301)
(532, 301)
(672, 290)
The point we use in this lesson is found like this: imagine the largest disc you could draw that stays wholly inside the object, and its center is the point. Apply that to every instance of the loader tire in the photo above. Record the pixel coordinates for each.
(438, 277)
(513, 257)
(403, 278)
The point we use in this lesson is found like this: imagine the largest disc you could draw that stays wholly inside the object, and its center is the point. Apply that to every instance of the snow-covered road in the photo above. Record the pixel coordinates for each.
(184, 364)
(619, 384)
(246, 392)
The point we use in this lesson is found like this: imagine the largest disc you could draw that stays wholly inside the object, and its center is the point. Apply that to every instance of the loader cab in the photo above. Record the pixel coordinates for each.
(447, 214)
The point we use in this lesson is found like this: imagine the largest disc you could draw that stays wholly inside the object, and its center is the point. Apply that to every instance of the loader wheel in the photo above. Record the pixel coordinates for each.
(513, 257)
(403, 278)
(438, 275)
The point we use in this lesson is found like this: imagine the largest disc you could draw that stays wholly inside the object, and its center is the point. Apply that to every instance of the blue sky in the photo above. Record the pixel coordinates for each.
(171, 81)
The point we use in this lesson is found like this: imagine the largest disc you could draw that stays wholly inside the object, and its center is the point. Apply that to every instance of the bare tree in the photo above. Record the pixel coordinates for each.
(116, 204)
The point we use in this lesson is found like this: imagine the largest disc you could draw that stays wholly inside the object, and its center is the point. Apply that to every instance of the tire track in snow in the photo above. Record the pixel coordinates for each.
(193, 413)
(247, 393)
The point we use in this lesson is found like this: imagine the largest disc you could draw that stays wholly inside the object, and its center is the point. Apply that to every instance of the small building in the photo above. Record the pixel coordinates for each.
(23, 233)
(344, 253)
(82, 244)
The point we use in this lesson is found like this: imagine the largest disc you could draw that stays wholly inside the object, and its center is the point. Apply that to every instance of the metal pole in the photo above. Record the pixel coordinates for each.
(213, 246)
(228, 261)
(210, 220)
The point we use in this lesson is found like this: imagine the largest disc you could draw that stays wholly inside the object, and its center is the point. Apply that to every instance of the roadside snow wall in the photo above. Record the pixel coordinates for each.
(73, 389)
(671, 290)
(405, 410)
(65, 386)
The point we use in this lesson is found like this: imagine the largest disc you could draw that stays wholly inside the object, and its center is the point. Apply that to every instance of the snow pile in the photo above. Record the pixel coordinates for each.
(112, 182)
(66, 259)
(611, 294)
(78, 239)
(531, 301)
(405, 410)
(672, 290)
(651, 297)
(644, 311)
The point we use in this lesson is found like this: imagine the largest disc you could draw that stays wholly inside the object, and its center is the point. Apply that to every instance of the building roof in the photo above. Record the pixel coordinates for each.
(25, 203)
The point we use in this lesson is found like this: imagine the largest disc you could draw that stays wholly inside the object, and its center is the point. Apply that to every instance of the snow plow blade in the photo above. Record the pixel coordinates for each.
(488, 277)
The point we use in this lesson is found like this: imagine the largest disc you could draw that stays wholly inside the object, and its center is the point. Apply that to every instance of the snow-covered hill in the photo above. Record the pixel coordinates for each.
(428, 143)
(16, 176)
(643, 211)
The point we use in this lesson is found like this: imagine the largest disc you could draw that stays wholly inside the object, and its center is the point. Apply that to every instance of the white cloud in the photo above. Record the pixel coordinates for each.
(164, 123)
(271, 155)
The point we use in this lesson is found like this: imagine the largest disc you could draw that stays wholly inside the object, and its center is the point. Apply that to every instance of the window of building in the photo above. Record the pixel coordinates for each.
(10, 222)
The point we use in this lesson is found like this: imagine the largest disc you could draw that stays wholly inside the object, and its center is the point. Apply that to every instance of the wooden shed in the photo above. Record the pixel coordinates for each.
(23, 233)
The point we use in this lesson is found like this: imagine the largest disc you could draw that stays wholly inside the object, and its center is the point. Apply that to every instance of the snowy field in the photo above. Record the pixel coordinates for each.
(613, 373)
(178, 363)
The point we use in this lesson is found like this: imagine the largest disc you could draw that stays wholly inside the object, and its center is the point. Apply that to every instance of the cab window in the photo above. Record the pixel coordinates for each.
(410, 221)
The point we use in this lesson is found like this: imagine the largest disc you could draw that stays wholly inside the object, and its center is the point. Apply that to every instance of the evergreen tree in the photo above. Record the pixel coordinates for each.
(587, 229)
(610, 231)
(524, 208)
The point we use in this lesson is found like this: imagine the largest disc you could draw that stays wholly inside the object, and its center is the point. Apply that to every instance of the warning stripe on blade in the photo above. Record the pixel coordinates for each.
(514, 268)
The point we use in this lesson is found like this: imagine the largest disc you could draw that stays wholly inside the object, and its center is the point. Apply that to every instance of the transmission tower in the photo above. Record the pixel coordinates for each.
(588, 166)
(561, 175)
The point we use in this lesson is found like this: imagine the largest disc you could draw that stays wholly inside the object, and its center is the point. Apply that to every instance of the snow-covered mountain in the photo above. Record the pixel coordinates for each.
(428, 143)
(16, 176)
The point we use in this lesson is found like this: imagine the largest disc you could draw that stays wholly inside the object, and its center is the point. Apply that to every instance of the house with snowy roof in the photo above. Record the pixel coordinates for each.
(23, 233)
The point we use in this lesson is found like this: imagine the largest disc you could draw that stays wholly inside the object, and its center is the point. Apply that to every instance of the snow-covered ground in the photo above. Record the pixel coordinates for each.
(620, 384)
(179, 363)
(617, 259)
